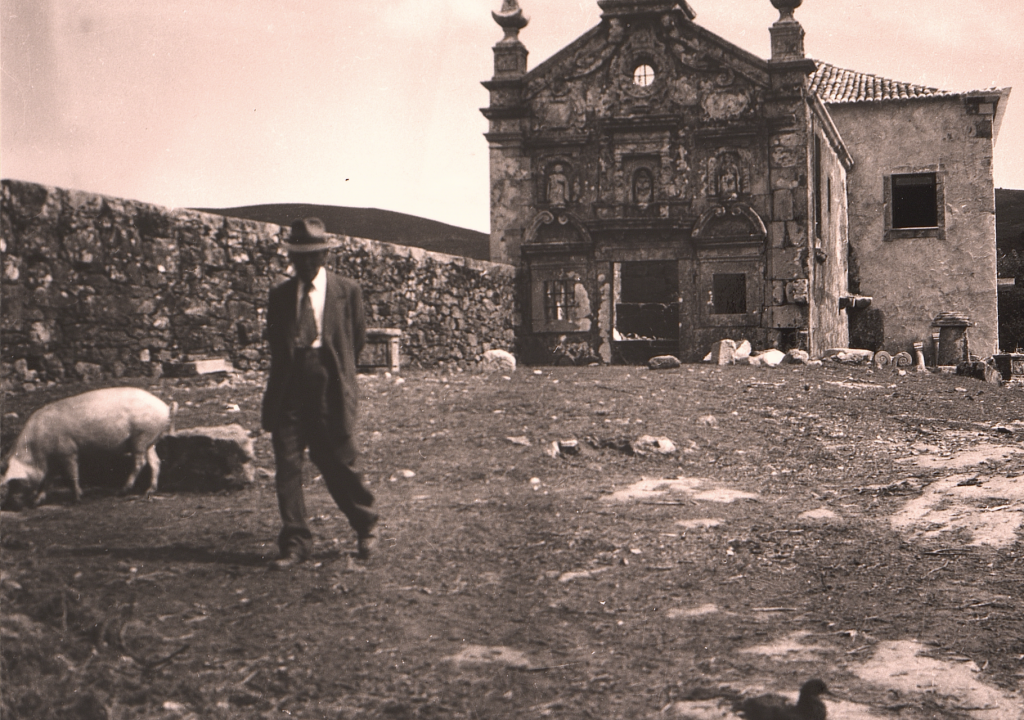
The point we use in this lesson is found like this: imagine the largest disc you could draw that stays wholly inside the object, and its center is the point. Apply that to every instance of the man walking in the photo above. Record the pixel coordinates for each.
(315, 328)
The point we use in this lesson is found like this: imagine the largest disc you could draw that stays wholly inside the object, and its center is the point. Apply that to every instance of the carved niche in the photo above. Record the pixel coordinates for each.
(730, 177)
(556, 184)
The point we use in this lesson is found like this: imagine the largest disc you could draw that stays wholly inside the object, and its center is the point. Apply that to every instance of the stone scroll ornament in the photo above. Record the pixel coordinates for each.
(903, 360)
(882, 359)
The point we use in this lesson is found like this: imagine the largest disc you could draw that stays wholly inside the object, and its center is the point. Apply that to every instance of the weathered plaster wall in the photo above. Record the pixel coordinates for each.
(829, 324)
(95, 285)
(914, 279)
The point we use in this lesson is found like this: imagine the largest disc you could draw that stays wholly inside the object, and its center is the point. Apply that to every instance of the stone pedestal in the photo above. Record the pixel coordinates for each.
(382, 349)
(953, 345)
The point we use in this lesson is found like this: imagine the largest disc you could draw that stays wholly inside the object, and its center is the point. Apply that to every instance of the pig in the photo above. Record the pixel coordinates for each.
(122, 419)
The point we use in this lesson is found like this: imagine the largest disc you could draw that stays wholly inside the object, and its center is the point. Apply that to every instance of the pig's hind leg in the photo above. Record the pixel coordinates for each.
(140, 460)
(154, 469)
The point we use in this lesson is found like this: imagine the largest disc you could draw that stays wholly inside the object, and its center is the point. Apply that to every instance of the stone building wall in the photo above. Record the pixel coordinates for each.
(97, 286)
(913, 277)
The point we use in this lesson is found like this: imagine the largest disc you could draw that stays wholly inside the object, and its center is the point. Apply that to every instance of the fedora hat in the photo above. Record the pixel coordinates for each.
(309, 235)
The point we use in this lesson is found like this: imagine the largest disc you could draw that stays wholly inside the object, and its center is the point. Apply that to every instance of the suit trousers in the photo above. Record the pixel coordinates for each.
(308, 423)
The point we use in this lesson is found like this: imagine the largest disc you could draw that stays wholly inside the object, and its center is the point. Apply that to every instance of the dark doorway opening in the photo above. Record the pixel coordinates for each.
(647, 309)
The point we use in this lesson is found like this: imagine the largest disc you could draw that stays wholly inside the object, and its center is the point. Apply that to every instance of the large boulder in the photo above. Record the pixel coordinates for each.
(770, 358)
(498, 361)
(206, 459)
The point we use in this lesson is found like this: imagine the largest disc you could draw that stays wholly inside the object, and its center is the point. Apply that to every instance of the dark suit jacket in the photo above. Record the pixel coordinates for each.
(344, 332)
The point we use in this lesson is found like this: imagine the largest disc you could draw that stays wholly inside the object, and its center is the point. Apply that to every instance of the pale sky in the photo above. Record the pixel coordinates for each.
(375, 103)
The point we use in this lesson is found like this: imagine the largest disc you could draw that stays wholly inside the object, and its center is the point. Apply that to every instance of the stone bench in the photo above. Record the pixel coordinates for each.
(382, 349)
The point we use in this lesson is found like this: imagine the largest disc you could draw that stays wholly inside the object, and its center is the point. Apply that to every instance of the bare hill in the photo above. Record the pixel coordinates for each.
(372, 224)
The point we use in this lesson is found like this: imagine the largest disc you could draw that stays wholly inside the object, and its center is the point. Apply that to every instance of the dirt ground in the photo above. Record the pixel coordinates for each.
(839, 522)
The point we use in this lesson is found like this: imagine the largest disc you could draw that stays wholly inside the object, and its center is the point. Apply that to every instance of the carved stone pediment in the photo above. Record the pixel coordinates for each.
(557, 232)
(726, 224)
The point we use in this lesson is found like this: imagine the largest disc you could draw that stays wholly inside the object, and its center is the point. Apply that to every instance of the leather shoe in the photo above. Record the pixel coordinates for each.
(365, 546)
(286, 562)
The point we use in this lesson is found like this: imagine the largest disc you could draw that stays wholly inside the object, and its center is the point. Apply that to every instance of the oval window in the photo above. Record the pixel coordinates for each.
(643, 75)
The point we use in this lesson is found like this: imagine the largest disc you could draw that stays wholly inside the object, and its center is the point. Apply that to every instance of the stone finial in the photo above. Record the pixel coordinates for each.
(786, 8)
(511, 20)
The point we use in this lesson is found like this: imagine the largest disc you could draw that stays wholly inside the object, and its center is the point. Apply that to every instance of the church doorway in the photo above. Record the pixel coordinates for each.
(647, 307)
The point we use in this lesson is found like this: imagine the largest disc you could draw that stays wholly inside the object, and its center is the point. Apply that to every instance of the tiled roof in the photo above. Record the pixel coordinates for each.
(836, 85)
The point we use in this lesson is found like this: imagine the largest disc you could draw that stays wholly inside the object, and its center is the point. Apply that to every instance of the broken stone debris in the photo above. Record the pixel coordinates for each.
(980, 371)
(849, 356)
(563, 448)
(650, 445)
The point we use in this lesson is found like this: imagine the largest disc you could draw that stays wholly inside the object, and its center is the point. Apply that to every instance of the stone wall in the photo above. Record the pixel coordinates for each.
(96, 286)
(916, 276)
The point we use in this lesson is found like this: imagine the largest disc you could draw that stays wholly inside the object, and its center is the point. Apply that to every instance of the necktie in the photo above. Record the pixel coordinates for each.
(307, 322)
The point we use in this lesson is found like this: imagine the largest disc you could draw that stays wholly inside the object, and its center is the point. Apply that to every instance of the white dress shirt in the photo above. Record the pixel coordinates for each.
(317, 296)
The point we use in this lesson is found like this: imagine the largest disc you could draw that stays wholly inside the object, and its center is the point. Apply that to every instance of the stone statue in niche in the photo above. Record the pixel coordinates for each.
(729, 178)
(558, 187)
(643, 187)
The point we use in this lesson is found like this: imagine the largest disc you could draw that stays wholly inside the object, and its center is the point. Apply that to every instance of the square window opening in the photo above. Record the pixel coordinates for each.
(729, 294)
(915, 201)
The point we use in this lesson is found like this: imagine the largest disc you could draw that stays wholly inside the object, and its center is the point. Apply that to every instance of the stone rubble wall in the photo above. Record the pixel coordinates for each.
(96, 286)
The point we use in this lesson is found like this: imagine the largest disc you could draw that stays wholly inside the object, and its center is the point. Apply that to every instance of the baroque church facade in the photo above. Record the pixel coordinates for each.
(661, 189)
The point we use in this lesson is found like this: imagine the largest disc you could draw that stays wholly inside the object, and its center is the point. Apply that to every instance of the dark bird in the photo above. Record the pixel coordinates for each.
(772, 707)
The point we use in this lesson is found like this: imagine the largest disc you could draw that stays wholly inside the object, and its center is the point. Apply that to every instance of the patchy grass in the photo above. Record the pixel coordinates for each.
(513, 584)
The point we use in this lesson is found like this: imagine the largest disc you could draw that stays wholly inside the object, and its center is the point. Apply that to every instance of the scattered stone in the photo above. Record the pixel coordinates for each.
(796, 357)
(519, 440)
(709, 420)
(206, 459)
(553, 449)
(771, 358)
(743, 350)
(569, 447)
(663, 362)
(498, 361)
(850, 356)
(578, 574)
(821, 513)
(648, 445)
(623, 445)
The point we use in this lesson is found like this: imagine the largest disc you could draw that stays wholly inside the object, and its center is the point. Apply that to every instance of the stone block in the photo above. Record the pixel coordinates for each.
(722, 352)
(206, 459)
(789, 316)
(980, 371)
(782, 205)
